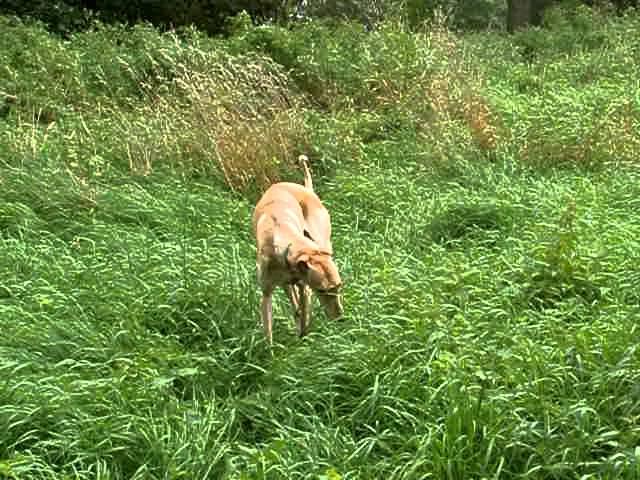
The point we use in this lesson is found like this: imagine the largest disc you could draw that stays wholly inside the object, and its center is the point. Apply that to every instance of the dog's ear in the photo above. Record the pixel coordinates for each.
(302, 266)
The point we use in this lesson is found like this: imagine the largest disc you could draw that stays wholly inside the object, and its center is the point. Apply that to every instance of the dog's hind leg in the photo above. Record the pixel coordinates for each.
(300, 297)
(294, 292)
(304, 318)
(294, 298)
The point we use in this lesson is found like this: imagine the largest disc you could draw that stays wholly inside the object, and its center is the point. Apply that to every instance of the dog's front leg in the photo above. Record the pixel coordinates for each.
(294, 297)
(267, 315)
(304, 317)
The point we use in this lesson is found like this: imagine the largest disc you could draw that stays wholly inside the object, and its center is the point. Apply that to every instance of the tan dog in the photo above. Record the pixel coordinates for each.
(293, 235)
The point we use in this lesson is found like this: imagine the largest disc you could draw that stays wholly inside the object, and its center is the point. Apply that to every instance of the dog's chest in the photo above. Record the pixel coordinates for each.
(272, 271)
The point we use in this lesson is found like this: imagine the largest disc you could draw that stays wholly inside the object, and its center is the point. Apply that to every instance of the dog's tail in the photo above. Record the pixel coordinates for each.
(304, 163)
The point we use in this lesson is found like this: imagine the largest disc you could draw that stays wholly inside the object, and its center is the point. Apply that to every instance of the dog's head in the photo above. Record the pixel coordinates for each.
(317, 269)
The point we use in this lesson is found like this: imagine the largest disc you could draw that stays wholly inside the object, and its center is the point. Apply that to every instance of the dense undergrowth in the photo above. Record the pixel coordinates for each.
(483, 192)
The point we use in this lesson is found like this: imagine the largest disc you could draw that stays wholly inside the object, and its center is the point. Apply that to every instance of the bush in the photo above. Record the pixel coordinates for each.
(557, 271)
(461, 14)
(165, 101)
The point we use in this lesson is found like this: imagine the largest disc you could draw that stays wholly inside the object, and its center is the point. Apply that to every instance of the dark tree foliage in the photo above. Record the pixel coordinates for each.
(621, 5)
(60, 16)
(65, 16)
(209, 15)
(522, 13)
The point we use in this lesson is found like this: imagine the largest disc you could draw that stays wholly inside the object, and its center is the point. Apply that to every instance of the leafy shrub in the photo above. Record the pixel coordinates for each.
(108, 64)
(569, 102)
(460, 126)
(469, 14)
(557, 271)
(428, 76)
(385, 82)
(566, 29)
(585, 138)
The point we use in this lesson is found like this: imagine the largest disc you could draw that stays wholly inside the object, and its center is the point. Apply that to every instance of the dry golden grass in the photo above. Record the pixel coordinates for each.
(238, 118)
(231, 116)
(243, 117)
(253, 150)
(481, 122)
(454, 91)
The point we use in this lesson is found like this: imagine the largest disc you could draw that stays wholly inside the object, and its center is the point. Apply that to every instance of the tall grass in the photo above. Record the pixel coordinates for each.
(483, 191)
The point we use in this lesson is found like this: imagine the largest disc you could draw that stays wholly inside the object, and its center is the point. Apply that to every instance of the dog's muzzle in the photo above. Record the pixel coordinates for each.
(331, 300)
(334, 291)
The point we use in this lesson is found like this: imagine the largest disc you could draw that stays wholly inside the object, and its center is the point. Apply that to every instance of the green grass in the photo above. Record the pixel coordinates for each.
(489, 252)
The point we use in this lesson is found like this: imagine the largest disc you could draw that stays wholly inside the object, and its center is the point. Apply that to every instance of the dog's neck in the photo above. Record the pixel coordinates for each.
(285, 254)
(293, 250)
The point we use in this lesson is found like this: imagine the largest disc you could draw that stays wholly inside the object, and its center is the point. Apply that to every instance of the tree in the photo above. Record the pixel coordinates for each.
(522, 13)
(518, 14)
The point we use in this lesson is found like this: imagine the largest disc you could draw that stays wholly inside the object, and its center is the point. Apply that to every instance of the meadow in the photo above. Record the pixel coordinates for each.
(484, 191)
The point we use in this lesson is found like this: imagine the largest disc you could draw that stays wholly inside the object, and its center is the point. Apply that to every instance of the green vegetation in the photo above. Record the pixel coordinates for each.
(484, 192)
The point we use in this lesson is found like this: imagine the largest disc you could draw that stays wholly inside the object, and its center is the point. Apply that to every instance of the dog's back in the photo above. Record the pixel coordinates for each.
(286, 194)
(317, 221)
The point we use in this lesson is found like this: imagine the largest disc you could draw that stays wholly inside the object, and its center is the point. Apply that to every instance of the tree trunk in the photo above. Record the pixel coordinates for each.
(519, 14)
(522, 13)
